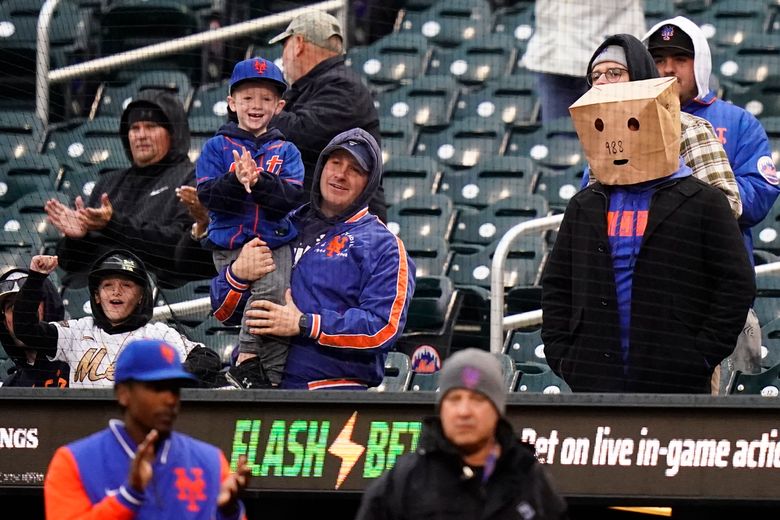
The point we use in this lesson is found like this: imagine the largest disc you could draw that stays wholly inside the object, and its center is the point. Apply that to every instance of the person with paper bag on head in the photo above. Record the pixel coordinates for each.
(647, 284)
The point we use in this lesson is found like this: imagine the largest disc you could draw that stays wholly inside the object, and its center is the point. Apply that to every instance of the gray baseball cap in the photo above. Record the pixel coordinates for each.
(315, 26)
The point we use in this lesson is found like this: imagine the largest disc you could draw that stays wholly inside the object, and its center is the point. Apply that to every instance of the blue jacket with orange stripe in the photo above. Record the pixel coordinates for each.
(354, 280)
(88, 479)
(235, 216)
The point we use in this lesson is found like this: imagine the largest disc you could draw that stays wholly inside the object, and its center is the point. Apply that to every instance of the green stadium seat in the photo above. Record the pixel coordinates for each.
(772, 127)
(422, 215)
(767, 383)
(216, 336)
(112, 99)
(16, 250)
(19, 131)
(25, 175)
(554, 145)
(512, 100)
(766, 234)
(396, 59)
(424, 382)
(476, 61)
(490, 223)
(558, 186)
(538, 378)
(94, 142)
(471, 263)
(429, 101)
(729, 22)
(210, 101)
(658, 11)
(472, 325)
(187, 292)
(450, 23)
(431, 255)
(398, 139)
(517, 21)
(398, 373)
(760, 99)
(202, 128)
(81, 182)
(464, 143)
(490, 181)
(76, 302)
(770, 344)
(526, 346)
(430, 322)
(130, 24)
(405, 177)
(753, 61)
(69, 41)
(767, 302)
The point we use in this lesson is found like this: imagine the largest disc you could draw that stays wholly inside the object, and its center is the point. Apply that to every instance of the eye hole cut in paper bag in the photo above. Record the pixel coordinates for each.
(630, 131)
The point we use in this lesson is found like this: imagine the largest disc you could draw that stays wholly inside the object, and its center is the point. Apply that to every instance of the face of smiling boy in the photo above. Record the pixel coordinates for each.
(118, 296)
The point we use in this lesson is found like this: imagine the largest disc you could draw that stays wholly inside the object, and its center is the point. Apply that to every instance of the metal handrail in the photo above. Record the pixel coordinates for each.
(45, 77)
(500, 323)
(497, 320)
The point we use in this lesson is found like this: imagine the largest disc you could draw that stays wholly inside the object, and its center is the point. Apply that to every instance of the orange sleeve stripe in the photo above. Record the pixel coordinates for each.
(66, 498)
(391, 328)
(357, 216)
(315, 326)
(228, 307)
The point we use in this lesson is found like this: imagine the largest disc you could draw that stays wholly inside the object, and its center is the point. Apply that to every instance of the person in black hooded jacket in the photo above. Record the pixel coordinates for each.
(30, 369)
(137, 208)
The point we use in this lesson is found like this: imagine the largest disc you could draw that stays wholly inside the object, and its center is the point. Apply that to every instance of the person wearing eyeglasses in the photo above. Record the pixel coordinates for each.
(622, 58)
(30, 368)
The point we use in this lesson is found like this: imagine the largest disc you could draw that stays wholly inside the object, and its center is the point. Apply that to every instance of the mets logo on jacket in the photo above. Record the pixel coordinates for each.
(336, 246)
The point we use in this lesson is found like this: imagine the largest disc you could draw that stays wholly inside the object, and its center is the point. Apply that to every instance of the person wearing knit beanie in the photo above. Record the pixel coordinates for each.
(475, 370)
(469, 462)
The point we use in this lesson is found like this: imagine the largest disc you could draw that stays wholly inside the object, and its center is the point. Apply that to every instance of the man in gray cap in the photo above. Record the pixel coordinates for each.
(469, 460)
(325, 97)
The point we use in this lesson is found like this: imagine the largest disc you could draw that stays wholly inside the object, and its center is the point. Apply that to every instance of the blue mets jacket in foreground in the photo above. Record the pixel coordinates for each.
(235, 216)
(88, 479)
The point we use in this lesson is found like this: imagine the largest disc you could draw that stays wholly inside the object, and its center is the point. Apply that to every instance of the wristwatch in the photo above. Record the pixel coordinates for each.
(303, 325)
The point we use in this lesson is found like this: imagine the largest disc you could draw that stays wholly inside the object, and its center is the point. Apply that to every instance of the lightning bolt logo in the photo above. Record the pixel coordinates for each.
(349, 452)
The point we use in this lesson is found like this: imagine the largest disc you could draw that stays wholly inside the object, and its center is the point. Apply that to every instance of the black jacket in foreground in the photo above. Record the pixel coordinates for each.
(692, 287)
(327, 101)
(432, 483)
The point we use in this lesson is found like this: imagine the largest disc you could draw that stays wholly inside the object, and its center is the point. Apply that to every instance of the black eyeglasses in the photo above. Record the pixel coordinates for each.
(13, 283)
(613, 75)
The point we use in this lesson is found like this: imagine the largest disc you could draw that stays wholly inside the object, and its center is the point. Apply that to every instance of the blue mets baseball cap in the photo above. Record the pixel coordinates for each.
(150, 360)
(257, 69)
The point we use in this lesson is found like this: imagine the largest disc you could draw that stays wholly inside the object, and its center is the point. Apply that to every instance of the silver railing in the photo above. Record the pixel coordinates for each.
(45, 77)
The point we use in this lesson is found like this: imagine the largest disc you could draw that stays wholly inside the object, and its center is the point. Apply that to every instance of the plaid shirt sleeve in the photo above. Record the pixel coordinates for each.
(704, 154)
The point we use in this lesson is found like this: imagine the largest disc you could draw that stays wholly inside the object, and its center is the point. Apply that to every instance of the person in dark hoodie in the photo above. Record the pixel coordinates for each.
(121, 300)
(137, 208)
(249, 178)
(30, 369)
(469, 463)
(351, 281)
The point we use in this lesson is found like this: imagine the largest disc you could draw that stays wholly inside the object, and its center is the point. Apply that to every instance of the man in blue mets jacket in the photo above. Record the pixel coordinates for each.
(351, 280)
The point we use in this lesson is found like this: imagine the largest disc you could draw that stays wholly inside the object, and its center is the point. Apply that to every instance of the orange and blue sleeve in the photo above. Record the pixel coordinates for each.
(66, 499)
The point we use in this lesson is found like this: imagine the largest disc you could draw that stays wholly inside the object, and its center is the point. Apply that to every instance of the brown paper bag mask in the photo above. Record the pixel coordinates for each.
(630, 132)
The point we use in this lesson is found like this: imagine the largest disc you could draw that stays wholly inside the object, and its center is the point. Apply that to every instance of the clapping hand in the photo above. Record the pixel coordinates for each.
(246, 169)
